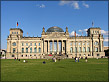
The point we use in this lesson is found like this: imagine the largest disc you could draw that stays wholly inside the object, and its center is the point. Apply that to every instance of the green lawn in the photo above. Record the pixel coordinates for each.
(64, 70)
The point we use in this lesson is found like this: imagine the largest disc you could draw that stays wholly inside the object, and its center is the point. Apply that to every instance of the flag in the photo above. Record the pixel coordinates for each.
(17, 23)
(82, 33)
(36, 46)
(92, 24)
(75, 34)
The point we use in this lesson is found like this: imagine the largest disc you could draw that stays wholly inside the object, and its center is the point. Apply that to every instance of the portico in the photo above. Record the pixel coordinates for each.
(53, 46)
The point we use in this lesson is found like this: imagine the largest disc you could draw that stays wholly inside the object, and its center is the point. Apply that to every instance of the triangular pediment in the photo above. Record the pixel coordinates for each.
(56, 35)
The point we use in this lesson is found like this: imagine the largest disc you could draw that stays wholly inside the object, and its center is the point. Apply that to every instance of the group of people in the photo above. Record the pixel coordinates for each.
(54, 59)
(77, 59)
(16, 59)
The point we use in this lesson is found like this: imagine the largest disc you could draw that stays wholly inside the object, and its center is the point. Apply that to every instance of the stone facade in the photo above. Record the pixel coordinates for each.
(56, 42)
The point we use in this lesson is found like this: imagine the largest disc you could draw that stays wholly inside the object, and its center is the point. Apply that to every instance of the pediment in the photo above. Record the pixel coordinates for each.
(56, 35)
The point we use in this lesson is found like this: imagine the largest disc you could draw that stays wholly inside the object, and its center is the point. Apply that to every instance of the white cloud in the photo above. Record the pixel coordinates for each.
(80, 30)
(104, 32)
(73, 4)
(41, 6)
(106, 39)
(73, 34)
(86, 5)
(85, 29)
(64, 2)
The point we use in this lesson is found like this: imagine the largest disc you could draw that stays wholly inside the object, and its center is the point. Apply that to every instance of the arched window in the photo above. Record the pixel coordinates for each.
(71, 50)
(96, 43)
(22, 50)
(12, 55)
(79, 49)
(30, 50)
(39, 50)
(14, 44)
(26, 50)
(14, 50)
(96, 49)
(35, 50)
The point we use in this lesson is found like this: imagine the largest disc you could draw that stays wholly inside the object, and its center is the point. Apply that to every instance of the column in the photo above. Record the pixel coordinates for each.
(81, 46)
(44, 47)
(62, 45)
(48, 47)
(52, 46)
(57, 47)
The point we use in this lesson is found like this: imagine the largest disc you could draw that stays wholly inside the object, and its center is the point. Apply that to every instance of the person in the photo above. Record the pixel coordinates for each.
(55, 59)
(86, 58)
(75, 59)
(19, 59)
(44, 62)
(72, 57)
(15, 58)
(24, 61)
(78, 59)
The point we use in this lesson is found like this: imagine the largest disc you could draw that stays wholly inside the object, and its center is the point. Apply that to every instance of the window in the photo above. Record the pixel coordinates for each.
(39, 44)
(35, 44)
(34, 55)
(79, 49)
(30, 50)
(83, 43)
(96, 43)
(84, 49)
(88, 49)
(76, 49)
(35, 50)
(26, 44)
(71, 44)
(21, 55)
(12, 55)
(22, 50)
(26, 50)
(96, 49)
(89, 54)
(17, 32)
(12, 32)
(14, 44)
(79, 54)
(14, 50)
(79, 43)
(39, 50)
(26, 55)
(30, 44)
(22, 44)
(71, 50)
(88, 43)
(98, 55)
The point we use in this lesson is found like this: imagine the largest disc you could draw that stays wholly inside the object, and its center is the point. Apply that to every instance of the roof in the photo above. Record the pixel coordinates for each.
(54, 29)
(16, 29)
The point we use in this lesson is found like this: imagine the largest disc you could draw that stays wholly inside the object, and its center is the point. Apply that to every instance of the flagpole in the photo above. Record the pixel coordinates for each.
(75, 43)
(16, 24)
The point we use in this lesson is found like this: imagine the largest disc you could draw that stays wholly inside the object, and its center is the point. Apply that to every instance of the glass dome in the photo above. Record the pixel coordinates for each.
(54, 29)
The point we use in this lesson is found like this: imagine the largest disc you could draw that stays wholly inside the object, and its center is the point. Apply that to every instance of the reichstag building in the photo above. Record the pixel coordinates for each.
(55, 42)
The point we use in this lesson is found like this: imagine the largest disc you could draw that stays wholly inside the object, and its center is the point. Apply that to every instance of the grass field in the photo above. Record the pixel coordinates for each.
(64, 70)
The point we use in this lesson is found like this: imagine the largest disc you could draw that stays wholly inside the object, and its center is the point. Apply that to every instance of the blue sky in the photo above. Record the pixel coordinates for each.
(32, 16)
